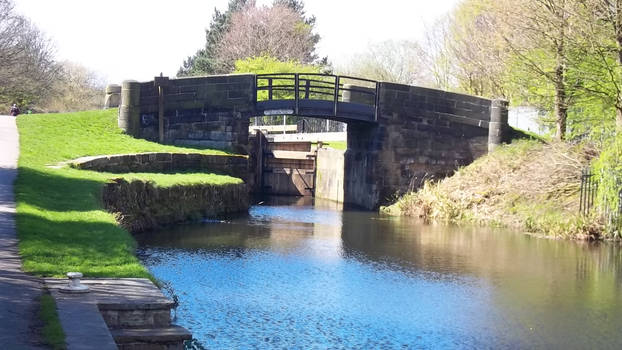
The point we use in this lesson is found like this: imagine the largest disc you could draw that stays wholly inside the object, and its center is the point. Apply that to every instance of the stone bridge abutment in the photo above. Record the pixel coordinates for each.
(418, 133)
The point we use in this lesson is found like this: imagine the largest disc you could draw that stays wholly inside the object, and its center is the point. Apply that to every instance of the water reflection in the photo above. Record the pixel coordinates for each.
(304, 276)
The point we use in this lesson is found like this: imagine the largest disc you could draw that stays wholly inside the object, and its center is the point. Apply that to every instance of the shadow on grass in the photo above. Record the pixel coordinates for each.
(95, 248)
(52, 191)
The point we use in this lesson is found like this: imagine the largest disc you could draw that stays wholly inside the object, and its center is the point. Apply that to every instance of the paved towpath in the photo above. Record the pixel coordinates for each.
(18, 291)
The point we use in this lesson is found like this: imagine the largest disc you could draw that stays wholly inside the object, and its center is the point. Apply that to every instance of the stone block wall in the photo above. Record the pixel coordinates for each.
(421, 134)
(329, 174)
(211, 111)
(142, 206)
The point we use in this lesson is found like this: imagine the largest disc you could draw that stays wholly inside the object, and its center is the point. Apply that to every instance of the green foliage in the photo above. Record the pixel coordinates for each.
(608, 171)
(340, 145)
(53, 334)
(266, 65)
(61, 223)
(269, 65)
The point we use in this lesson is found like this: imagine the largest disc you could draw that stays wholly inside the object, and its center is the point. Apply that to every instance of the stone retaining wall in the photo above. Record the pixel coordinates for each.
(236, 166)
(143, 206)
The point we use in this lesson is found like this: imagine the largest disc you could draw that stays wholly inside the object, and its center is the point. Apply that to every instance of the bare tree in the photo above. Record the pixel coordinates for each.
(391, 61)
(276, 31)
(27, 67)
(437, 57)
(77, 88)
(477, 58)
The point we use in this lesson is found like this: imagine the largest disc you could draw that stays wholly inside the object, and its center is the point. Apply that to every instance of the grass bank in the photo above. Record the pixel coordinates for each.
(529, 185)
(52, 332)
(61, 223)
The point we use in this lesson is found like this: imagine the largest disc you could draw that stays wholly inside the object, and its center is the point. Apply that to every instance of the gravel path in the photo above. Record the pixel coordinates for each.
(18, 291)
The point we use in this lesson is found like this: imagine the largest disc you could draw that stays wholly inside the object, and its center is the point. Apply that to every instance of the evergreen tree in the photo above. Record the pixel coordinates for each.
(205, 60)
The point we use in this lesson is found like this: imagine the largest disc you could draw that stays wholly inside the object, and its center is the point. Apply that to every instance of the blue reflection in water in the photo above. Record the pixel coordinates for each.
(301, 214)
(296, 288)
(304, 277)
(256, 299)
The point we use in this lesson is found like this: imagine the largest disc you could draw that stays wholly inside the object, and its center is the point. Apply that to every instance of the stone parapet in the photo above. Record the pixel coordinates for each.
(211, 110)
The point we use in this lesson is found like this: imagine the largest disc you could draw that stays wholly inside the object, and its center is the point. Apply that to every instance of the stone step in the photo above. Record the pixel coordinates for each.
(168, 338)
(136, 318)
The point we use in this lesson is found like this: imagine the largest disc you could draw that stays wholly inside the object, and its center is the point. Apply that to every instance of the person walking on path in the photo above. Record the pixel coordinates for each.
(19, 292)
(14, 110)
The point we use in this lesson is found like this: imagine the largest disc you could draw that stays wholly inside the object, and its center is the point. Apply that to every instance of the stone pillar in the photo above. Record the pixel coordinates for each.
(113, 96)
(498, 128)
(129, 112)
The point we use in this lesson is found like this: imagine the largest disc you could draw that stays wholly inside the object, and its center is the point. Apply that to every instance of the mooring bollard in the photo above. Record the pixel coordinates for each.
(74, 285)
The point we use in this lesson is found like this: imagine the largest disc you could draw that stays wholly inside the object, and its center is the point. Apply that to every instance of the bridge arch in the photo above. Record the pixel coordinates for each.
(398, 135)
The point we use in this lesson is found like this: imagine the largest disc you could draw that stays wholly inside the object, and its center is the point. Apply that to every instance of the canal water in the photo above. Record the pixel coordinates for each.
(298, 275)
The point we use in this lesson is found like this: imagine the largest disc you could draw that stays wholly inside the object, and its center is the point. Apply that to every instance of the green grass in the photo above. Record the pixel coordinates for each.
(53, 334)
(340, 145)
(169, 180)
(61, 223)
(530, 185)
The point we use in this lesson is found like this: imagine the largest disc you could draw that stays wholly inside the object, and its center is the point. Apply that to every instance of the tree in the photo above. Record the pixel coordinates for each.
(436, 55)
(473, 46)
(391, 61)
(276, 31)
(27, 67)
(76, 89)
(205, 60)
(517, 48)
(246, 30)
(599, 32)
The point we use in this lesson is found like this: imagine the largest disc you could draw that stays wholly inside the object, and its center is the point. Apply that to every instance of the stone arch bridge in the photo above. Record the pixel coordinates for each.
(397, 134)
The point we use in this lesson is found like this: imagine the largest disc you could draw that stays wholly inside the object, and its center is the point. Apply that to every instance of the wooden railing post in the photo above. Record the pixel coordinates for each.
(160, 83)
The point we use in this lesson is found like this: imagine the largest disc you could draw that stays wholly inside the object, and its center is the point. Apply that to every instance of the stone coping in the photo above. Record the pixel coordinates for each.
(116, 293)
(233, 165)
(80, 314)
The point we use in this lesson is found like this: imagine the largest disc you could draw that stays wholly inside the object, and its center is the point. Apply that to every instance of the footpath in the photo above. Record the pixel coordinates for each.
(18, 291)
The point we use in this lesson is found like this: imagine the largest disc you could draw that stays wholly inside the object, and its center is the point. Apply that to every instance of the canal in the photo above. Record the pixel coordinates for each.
(298, 275)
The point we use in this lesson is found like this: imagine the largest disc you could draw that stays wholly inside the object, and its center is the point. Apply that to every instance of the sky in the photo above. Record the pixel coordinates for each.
(139, 39)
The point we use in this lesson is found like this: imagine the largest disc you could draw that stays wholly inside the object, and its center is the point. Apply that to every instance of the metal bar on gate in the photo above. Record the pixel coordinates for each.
(336, 95)
(307, 87)
(377, 99)
(269, 88)
(296, 91)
